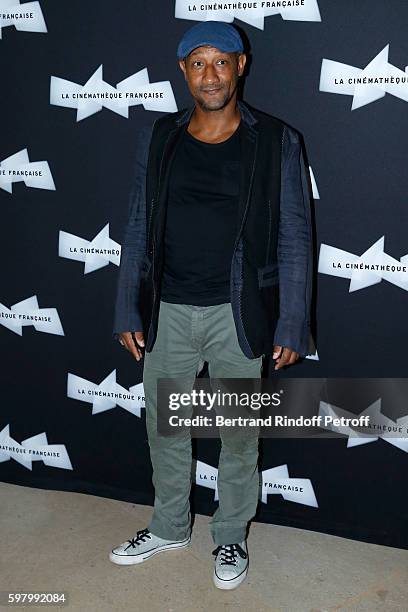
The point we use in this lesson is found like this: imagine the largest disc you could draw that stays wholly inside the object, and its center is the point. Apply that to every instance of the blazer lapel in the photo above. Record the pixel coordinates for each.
(248, 145)
(169, 150)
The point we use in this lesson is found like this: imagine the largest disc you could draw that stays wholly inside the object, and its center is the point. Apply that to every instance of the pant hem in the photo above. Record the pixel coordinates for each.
(167, 532)
(228, 537)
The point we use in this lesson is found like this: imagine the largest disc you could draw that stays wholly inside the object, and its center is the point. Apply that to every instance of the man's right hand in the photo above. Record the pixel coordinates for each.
(132, 341)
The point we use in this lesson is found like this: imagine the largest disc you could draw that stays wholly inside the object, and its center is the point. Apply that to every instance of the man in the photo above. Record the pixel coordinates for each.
(216, 267)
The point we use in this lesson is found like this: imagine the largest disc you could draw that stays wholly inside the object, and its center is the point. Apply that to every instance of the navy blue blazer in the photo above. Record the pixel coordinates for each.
(294, 249)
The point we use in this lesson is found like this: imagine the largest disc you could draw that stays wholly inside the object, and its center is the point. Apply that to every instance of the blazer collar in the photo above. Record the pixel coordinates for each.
(246, 114)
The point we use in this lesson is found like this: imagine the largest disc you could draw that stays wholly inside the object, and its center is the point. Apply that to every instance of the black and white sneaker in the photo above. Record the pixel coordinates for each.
(231, 565)
(143, 546)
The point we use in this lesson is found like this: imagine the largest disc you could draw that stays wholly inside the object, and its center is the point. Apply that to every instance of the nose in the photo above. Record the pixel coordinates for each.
(210, 76)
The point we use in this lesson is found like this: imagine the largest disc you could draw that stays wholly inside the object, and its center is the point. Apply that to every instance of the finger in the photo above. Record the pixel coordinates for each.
(138, 341)
(130, 345)
(286, 355)
(123, 339)
(134, 349)
(293, 358)
(284, 359)
(139, 338)
(276, 351)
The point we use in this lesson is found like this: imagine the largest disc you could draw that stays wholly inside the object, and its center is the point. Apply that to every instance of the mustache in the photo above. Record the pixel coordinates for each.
(210, 88)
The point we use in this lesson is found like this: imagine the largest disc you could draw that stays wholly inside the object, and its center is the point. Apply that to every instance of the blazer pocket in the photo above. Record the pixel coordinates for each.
(268, 275)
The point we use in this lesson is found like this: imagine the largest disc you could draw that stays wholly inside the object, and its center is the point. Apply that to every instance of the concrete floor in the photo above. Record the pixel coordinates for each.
(53, 541)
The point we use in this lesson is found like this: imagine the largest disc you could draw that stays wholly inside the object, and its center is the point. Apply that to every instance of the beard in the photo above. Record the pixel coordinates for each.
(207, 103)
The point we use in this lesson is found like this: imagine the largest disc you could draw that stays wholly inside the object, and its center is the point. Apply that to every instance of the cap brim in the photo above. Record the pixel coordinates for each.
(212, 44)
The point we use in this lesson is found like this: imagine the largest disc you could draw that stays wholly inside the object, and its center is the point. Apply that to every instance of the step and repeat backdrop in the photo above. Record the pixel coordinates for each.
(79, 79)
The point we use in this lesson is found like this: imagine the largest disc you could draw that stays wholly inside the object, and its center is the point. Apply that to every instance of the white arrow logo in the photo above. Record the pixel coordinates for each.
(366, 269)
(253, 14)
(206, 476)
(90, 98)
(25, 17)
(276, 481)
(18, 168)
(96, 253)
(107, 395)
(28, 312)
(315, 190)
(365, 85)
(377, 420)
(33, 449)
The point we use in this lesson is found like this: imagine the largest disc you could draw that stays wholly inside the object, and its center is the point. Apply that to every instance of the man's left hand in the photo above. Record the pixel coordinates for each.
(284, 356)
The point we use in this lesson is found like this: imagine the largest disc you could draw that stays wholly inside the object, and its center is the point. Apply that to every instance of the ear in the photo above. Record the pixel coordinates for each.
(183, 67)
(241, 63)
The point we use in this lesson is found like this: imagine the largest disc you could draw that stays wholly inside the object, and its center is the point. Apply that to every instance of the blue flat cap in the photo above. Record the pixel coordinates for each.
(215, 33)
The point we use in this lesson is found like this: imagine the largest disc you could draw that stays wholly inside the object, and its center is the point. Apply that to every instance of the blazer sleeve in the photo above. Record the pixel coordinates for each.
(294, 248)
(126, 313)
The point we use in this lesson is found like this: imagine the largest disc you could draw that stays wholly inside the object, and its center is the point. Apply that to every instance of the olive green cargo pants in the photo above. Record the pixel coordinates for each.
(186, 335)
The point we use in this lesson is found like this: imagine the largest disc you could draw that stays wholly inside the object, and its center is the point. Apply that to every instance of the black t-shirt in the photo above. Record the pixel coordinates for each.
(201, 221)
